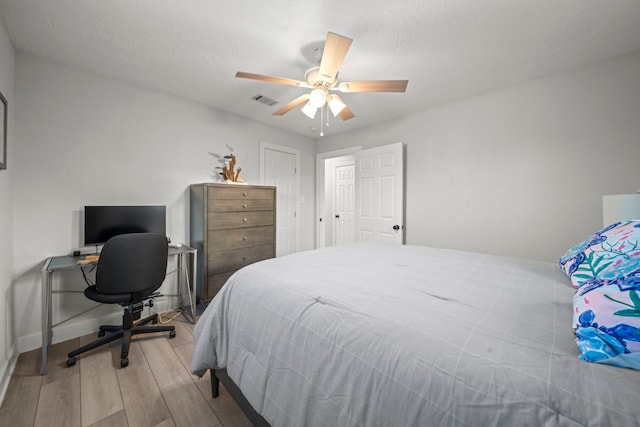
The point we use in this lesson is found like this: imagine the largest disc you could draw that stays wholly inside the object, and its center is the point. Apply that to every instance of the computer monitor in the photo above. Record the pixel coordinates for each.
(103, 222)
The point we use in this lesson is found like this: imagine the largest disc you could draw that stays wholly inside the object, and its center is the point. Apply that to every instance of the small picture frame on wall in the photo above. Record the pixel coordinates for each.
(3, 132)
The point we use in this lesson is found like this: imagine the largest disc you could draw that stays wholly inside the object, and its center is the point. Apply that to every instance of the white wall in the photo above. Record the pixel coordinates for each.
(8, 350)
(84, 140)
(519, 171)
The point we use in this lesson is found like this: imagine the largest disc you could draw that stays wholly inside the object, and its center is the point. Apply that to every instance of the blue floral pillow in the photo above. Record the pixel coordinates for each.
(605, 270)
(607, 322)
(611, 254)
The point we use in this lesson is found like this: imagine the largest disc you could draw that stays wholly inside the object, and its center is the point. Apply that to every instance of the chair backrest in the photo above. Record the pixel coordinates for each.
(132, 263)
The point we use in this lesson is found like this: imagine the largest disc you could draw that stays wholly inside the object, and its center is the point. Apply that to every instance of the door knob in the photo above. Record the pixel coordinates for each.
(337, 216)
(396, 227)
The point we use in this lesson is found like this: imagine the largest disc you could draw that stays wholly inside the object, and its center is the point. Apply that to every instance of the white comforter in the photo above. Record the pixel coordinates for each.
(387, 335)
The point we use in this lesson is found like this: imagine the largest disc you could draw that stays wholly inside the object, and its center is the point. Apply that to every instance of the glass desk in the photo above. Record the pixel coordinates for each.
(66, 262)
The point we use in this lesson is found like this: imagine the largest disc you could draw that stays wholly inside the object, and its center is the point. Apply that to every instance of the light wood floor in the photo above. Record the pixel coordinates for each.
(156, 389)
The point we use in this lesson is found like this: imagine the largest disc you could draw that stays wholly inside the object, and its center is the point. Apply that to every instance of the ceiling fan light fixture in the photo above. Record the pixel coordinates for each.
(309, 110)
(336, 105)
(318, 97)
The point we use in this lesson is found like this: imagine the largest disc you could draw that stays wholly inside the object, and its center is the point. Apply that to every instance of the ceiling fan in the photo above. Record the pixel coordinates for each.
(323, 80)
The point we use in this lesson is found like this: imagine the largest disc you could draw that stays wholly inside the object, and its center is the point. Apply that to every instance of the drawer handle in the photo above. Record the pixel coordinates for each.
(244, 193)
(244, 205)
(244, 237)
(244, 220)
(244, 258)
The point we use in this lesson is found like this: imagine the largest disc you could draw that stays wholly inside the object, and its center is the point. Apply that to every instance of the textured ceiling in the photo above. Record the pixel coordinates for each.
(447, 49)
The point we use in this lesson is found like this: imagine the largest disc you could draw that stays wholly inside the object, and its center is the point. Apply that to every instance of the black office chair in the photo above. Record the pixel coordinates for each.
(130, 269)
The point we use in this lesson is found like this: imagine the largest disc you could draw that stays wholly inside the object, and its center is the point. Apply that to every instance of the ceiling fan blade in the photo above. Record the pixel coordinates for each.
(335, 49)
(346, 114)
(374, 86)
(302, 99)
(269, 79)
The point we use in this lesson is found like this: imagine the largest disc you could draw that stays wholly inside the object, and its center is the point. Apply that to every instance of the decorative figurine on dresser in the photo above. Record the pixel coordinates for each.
(230, 226)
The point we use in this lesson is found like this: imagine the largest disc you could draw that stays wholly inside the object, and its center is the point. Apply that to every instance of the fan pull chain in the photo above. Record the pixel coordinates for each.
(328, 115)
(321, 121)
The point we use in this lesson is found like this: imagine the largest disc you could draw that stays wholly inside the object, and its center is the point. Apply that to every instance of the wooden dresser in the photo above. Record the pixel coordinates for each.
(230, 226)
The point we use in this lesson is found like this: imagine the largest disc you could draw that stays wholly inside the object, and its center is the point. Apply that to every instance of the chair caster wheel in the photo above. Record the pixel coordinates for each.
(172, 334)
(71, 361)
(124, 362)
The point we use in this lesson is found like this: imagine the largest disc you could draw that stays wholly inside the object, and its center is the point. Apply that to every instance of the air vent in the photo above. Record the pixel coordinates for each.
(264, 100)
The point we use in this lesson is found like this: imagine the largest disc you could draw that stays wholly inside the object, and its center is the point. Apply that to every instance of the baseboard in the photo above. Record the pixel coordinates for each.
(7, 368)
(68, 331)
(84, 326)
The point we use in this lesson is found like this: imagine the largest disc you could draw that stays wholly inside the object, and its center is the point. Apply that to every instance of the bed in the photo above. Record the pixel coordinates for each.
(374, 334)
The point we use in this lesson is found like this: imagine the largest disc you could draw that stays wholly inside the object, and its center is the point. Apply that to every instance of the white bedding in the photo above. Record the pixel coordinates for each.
(387, 335)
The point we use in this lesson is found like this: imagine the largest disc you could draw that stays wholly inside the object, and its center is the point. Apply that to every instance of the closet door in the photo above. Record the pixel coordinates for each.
(380, 194)
(279, 168)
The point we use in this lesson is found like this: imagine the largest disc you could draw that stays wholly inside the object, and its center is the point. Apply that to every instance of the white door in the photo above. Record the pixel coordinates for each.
(279, 170)
(325, 185)
(379, 187)
(344, 204)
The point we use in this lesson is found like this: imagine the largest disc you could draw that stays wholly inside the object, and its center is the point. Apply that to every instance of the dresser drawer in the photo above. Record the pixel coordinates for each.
(237, 258)
(224, 240)
(233, 192)
(221, 220)
(239, 205)
(215, 282)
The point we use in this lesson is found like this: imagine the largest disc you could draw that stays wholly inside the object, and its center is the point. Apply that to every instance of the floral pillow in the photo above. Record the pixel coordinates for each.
(605, 270)
(607, 323)
(610, 256)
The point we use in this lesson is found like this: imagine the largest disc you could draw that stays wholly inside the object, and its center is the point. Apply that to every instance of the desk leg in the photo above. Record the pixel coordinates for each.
(191, 291)
(192, 282)
(46, 315)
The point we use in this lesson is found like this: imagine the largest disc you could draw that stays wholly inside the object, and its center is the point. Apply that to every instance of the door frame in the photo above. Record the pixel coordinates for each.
(264, 145)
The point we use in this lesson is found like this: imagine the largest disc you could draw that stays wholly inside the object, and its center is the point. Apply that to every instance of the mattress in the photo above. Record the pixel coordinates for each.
(374, 334)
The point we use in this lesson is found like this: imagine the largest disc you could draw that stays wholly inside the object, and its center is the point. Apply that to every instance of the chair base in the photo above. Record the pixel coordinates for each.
(109, 333)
